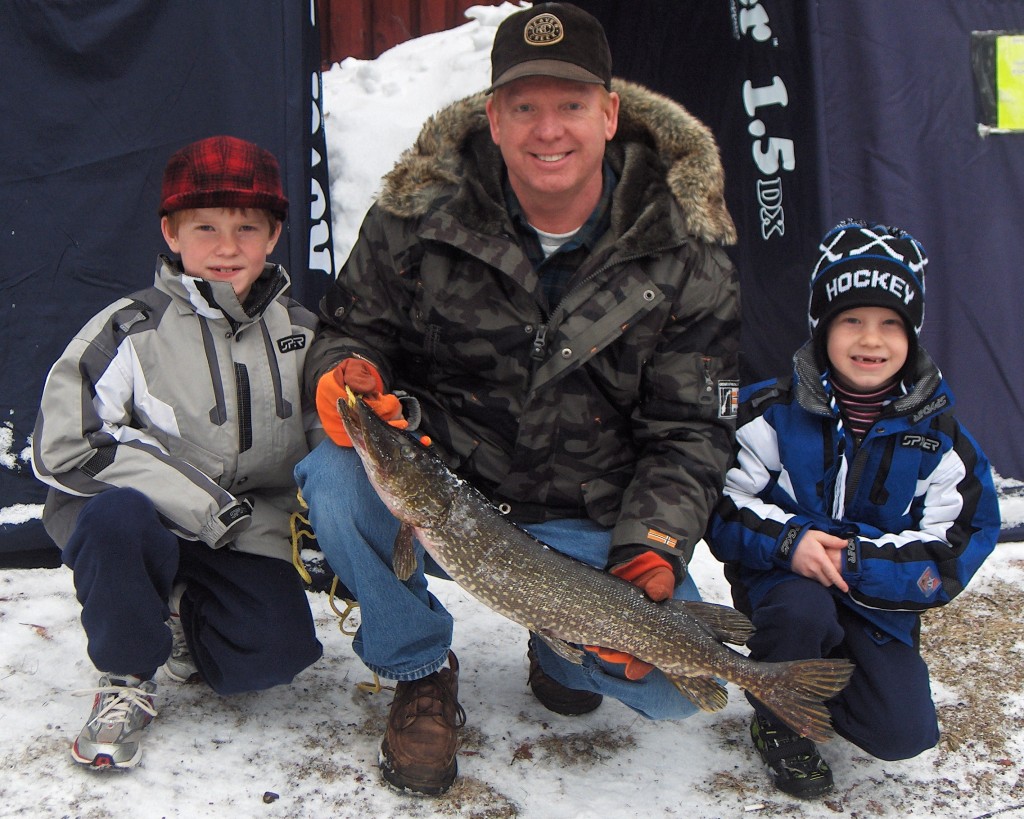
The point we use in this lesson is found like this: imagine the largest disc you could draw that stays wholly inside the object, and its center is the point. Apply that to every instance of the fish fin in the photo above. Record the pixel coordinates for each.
(403, 555)
(795, 692)
(565, 650)
(725, 623)
(705, 692)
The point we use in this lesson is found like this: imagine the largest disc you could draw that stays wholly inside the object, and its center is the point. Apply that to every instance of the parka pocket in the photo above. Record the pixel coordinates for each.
(686, 387)
(207, 462)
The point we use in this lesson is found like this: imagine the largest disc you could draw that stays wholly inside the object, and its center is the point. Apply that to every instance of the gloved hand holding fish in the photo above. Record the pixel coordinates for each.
(516, 575)
(654, 575)
(357, 376)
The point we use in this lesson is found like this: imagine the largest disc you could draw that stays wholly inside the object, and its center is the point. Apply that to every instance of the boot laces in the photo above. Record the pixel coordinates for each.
(431, 696)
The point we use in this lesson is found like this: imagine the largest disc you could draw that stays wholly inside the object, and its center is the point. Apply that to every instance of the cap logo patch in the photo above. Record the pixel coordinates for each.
(543, 30)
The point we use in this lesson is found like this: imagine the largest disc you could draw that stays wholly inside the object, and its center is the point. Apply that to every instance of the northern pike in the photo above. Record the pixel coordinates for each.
(568, 603)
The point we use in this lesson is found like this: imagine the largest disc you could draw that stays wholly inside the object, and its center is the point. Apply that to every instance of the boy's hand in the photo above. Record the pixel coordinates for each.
(821, 556)
(362, 378)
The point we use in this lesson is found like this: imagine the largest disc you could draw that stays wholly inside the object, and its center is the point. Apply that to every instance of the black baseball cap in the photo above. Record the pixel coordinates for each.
(551, 40)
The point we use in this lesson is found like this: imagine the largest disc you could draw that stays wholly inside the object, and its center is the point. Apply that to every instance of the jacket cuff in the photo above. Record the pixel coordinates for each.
(787, 544)
(851, 567)
(636, 533)
(229, 521)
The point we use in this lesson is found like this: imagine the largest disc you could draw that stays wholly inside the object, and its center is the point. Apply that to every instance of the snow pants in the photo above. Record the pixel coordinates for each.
(887, 708)
(246, 617)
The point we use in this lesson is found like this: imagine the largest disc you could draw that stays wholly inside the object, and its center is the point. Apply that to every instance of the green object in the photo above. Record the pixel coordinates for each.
(1010, 82)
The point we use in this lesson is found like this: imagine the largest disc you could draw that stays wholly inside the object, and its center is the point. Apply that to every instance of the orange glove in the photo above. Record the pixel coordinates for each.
(635, 669)
(361, 377)
(358, 374)
(652, 573)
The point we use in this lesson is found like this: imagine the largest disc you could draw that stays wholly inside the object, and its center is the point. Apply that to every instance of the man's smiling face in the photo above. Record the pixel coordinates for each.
(552, 135)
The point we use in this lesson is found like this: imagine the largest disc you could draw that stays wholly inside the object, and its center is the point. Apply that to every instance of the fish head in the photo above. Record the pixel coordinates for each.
(413, 482)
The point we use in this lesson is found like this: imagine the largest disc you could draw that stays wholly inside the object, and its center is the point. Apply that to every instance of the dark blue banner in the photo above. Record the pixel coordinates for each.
(95, 97)
(741, 67)
(861, 108)
(900, 116)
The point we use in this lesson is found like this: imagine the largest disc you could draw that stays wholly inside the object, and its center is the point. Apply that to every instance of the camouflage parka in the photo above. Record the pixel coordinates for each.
(619, 405)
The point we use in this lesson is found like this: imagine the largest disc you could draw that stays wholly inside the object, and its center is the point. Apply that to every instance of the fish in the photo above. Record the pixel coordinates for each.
(570, 604)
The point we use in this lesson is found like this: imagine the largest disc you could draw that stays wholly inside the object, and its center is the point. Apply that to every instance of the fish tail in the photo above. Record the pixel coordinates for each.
(795, 692)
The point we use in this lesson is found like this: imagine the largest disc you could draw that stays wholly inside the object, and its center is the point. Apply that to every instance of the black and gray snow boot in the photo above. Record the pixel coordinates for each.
(797, 767)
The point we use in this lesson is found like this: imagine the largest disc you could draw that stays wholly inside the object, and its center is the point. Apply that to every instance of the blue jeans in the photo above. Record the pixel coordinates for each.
(405, 632)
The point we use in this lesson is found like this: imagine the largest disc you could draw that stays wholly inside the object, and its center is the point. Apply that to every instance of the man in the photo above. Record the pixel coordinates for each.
(542, 277)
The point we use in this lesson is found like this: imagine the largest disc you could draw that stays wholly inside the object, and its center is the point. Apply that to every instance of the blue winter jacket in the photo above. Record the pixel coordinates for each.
(916, 498)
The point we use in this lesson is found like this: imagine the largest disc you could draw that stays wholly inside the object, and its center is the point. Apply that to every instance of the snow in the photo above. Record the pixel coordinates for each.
(310, 748)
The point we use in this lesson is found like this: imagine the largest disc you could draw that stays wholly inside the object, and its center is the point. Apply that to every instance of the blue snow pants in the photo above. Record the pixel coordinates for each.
(246, 617)
(887, 708)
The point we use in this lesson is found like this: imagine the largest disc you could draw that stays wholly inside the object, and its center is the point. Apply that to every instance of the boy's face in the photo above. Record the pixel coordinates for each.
(867, 347)
(223, 244)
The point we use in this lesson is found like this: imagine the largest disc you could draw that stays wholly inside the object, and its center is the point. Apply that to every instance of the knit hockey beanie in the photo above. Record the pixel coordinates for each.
(223, 172)
(867, 265)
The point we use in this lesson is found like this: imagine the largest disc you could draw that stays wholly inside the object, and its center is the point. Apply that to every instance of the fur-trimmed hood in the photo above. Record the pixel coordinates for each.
(686, 147)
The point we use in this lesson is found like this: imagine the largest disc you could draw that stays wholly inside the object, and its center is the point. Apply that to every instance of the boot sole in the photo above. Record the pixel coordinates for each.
(434, 786)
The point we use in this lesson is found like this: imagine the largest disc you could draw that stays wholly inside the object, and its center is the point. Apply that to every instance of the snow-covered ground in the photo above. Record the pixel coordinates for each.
(310, 749)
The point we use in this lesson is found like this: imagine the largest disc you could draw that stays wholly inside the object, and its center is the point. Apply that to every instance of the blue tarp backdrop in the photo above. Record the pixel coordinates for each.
(898, 118)
(94, 97)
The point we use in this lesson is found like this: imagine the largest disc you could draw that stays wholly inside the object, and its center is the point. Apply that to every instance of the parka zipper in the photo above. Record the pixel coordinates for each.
(541, 333)
(540, 338)
(707, 398)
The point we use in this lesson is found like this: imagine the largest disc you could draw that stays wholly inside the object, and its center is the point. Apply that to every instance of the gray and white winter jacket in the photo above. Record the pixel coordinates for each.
(179, 393)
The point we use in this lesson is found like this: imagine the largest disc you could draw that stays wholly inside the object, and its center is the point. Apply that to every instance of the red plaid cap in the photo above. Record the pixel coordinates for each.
(223, 172)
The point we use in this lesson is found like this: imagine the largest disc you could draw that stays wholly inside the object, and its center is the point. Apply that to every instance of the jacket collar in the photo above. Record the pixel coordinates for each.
(217, 300)
(928, 386)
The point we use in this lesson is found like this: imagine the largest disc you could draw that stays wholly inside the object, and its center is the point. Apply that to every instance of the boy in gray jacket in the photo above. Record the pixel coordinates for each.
(167, 432)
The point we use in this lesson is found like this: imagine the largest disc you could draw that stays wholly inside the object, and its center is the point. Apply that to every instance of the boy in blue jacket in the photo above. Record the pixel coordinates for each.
(856, 501)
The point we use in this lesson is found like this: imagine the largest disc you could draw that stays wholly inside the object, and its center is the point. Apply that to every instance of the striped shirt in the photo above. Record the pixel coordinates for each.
(861, 409)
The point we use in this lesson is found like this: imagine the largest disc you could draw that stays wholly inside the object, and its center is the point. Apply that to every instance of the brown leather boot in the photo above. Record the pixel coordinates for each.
(422, 736)
(553, 695)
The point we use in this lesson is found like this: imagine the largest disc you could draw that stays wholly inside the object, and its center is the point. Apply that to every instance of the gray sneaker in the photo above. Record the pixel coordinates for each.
(122, 708)
(179, 665)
